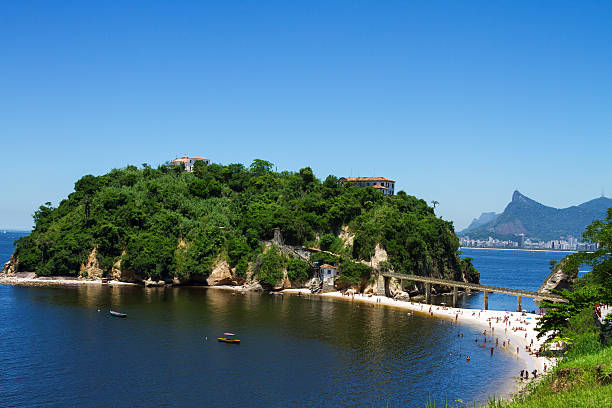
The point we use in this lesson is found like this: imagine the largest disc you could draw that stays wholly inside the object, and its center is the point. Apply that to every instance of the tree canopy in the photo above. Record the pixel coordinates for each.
(166, 222)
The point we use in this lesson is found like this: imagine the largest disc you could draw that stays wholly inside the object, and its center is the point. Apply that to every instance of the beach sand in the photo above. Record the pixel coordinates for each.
(59, 280)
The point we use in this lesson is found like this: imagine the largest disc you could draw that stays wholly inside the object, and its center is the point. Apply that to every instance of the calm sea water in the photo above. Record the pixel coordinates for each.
(524, 270)
(58, 350)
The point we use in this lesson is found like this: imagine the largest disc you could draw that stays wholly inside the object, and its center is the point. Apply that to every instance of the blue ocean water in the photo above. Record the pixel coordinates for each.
(524, 270)
(7, 238)
(60, 347)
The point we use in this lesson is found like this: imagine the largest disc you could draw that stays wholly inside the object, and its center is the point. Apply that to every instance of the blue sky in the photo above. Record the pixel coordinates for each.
(460, 102)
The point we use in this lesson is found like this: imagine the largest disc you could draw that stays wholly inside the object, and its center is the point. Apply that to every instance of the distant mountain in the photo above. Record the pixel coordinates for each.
(484, 218)
(526, 216)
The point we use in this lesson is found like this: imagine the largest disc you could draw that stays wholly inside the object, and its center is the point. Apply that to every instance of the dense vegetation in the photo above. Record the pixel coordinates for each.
(165, 222)
(583, 377)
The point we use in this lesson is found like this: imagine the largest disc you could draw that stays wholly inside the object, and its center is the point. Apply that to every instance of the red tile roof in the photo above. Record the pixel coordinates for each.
(328, 266)
(369, 179)
(184, 159)
(379, 186)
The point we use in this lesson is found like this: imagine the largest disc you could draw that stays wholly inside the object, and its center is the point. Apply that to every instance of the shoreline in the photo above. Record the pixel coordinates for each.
(483, 319)
(562, 251)
(476, 318)
(58, 281)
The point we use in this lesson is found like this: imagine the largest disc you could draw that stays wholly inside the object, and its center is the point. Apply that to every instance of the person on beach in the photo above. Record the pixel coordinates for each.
(517, 350)
(492, 351)
(522, 373)
(496, 342)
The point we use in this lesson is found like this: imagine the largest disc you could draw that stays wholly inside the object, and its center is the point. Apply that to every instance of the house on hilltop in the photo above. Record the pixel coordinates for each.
(188, 162)
(387, 186)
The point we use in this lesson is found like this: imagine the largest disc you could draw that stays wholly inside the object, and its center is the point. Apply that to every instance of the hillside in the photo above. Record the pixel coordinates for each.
(172, 225)
(484, 218)
(526, 216)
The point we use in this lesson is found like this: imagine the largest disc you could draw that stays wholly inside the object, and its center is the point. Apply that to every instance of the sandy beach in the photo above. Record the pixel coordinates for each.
(59, 280)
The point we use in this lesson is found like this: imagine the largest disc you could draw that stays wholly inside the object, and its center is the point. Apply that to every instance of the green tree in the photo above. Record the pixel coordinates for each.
(298, 270)
(595, 286)
(270, 270)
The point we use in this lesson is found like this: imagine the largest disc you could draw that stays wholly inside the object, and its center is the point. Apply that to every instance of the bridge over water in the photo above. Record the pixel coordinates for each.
(382, 289)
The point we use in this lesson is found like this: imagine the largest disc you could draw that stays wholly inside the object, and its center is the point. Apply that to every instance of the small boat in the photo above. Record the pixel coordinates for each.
(117, 314)
(229, 338)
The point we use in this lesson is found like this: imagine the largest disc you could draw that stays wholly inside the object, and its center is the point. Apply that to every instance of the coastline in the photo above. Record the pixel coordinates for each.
(474, 317)
(483, 319)
(58, 281)
(562, 251)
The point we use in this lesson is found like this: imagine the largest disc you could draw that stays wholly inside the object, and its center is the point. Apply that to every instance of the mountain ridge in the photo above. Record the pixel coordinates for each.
(524, 215)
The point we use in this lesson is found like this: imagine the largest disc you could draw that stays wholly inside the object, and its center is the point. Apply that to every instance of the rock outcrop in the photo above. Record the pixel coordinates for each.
(560, 278)
(91, 269)
(221, 275)
(10, 268)
(123, 275)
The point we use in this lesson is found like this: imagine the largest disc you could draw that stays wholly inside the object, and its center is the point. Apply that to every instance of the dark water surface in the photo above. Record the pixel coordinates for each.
(57, 350)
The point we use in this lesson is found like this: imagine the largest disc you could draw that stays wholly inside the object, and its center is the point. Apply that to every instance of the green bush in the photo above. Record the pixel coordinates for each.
(270, 270)
(298, 270)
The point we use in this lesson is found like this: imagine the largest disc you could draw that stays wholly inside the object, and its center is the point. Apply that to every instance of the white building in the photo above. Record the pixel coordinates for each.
(327, 273)
(188, 162)
(387, 186)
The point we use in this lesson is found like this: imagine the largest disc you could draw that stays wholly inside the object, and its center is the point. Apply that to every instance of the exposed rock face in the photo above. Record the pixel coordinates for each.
(221, 275)
(380, 255)
(11, 266)
(122, 275)
(91, 269)
(559, 278)
(346, 236)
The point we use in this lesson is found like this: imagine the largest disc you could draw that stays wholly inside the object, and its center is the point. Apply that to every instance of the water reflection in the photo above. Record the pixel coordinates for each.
(304, 351)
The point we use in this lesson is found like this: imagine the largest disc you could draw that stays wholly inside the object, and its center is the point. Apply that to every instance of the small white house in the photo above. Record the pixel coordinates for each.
(327, 273)
(188, 162)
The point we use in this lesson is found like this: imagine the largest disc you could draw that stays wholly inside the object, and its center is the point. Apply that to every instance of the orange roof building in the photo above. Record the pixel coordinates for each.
(386, 185)
(188, 162)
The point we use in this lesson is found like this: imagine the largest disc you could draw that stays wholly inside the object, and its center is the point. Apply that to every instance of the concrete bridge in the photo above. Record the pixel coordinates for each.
(382, 289)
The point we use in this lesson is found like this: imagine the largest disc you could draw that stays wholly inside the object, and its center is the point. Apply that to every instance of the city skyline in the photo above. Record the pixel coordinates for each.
(460, 103)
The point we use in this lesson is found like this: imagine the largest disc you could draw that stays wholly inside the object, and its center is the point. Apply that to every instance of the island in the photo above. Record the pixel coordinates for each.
(234, 225)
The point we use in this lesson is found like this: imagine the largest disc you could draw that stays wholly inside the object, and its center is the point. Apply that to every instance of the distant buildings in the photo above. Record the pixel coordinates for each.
(569, 244)
(188, 162)
(387, 186)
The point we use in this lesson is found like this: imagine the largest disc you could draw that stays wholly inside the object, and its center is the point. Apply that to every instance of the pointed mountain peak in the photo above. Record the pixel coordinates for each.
(516, 196)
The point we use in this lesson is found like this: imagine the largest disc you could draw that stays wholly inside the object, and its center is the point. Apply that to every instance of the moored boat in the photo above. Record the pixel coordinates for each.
(229, 338)
(117, 314)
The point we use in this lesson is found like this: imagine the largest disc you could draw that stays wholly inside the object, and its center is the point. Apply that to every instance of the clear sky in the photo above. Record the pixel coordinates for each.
(459, 101)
